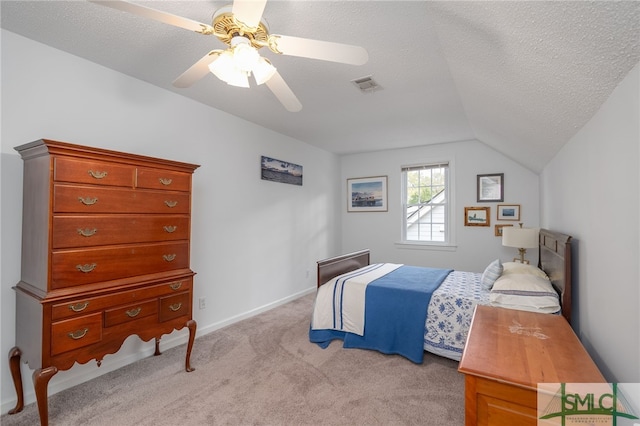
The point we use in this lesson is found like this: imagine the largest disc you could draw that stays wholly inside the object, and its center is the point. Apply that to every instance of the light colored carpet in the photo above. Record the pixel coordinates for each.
(264, 371)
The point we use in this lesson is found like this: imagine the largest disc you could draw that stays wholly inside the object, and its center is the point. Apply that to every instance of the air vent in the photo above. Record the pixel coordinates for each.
(366, 84)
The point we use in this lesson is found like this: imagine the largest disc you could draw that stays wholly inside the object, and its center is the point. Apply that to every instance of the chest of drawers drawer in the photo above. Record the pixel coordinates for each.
(92, 199)
(97, 230)
(76, 267)
(84, 305)
(163, 179)
(132, 312)
(93, 172)
(75, 333)
(175, 306)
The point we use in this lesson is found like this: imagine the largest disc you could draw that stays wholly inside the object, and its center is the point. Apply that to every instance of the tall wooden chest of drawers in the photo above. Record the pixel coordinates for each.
(105, 255)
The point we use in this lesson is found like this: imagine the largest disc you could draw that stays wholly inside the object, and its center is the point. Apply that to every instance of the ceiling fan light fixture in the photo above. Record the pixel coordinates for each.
(263, 71)
(225, 69)
(245, 56)
(239, 79)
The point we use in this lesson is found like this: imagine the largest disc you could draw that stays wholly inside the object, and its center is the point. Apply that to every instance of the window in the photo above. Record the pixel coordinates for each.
(426, 204)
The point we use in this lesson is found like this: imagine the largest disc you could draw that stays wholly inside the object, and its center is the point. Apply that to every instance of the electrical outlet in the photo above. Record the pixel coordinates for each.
(202, 303)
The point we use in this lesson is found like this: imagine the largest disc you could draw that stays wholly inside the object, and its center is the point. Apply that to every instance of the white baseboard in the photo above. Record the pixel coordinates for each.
(217, 326)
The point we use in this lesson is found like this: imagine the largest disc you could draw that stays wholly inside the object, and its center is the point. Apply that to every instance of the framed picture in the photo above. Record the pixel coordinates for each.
(491, 187)
(280, 171)
(508, 211)
(368, 194)
(498, 229)
(477, 216)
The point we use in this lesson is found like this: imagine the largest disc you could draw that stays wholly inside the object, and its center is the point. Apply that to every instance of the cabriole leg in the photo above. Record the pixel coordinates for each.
(157, 352)
(41, 379)
(14, 366)
(191, 324)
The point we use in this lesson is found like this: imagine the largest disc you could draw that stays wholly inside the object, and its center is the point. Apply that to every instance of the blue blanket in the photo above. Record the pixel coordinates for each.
(395, 313)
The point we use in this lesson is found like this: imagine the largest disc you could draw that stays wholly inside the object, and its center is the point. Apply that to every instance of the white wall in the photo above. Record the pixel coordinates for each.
(253, 241)
(591, 190)
(476, 246)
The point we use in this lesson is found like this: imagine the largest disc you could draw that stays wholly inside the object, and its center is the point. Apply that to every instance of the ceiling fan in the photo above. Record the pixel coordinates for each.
(242, 28)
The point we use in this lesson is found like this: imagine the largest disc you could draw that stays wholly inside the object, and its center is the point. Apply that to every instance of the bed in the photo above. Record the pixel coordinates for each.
(407, 310)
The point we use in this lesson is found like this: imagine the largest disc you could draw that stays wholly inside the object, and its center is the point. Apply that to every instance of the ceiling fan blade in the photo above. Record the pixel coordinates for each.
(284, 94)
(248, 12)
(197, 70)
(316, 49)
(167, 18)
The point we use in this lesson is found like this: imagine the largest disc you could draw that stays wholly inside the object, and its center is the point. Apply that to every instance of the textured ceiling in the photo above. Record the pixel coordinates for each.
(521, 76)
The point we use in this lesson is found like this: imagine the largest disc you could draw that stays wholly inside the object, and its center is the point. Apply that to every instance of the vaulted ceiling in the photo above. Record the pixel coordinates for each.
(521, 76)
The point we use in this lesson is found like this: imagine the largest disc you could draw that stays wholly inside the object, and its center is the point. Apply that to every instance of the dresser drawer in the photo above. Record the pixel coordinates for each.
(89, 304)
(76, 267)
(175, 306)
(97, 230)
(91, 199)
(75, 333)
(93, 172)
(130, 313)
(163, 179)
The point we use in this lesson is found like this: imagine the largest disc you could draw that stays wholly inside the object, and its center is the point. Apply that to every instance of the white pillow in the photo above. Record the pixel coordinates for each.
(522, 268)
(491, 274)
(527, 292)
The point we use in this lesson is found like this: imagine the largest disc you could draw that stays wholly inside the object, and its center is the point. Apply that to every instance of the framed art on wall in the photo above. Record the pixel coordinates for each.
(498, 229)
(368, 194)
(280, 171)
(477, 216)
(508, 212)
(491, 187)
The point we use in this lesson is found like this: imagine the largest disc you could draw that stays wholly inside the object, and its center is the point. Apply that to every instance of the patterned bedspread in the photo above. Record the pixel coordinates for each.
(450, 312)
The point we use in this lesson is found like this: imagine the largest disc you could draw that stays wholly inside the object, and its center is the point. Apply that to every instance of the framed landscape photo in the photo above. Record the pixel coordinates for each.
(368, 194)
(477, 216)
(280, 171)
(508, 212)
(491, 187)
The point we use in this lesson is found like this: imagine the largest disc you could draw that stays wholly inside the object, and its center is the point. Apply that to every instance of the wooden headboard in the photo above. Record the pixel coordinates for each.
(334, 266)
(555, 259)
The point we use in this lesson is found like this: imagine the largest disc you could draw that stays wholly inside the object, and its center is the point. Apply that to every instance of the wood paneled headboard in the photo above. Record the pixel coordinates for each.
(555, 259)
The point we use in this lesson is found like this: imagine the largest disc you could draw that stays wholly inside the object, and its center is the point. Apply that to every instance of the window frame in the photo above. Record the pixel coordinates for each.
(448, 243)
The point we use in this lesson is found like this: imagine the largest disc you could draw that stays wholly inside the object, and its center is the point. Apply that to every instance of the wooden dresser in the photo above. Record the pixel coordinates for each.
(105, 255)
(507, 354)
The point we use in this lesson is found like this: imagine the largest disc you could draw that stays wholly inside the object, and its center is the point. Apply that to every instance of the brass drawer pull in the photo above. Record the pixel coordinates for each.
(171, 204)
(175, 307)
(76, 335)
(79, 307)
(87, 267)
(166, 181)
(176, 285)
(88, 201)
(169, 257)
(87, 232)
(170, 228)
(97, 175)
(133, 312)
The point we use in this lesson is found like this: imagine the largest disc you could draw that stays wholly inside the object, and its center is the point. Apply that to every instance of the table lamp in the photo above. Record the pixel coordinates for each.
(521, 238)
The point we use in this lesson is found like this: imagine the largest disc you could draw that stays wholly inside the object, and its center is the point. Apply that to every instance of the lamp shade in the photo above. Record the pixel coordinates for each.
(519, 237)
(224, 68)
(263, 71)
